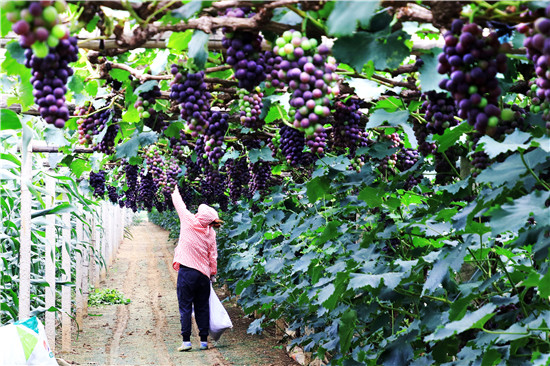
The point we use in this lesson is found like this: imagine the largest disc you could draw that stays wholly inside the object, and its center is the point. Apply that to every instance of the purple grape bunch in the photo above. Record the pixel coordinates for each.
(37, 23)
(260, 176)
(107, 143)
(472, 62)
(189, 91)
(112, 193)
(440, 111)
(238, 175)
(132, 182)
(346, 132)
(215, 136)
(406, 158)
(309, 71)
(250, 106)
(177, 144)
(147, 190)
(537, 44)
(155, 164)
(144, 105)
(49, 80)
(97, 182)
(292, 144)
(244, 52)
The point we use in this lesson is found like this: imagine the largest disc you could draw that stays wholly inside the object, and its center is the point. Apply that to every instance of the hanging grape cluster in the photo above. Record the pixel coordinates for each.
(439, 111)
(50, 74)
(250, 107)
(472, 62)
(308, 70)
(238, 175)
(97, 182)
(538, 51)
(37, 23)
(215, 136)
(189, 91)
(292, 144)
(107, 143)
(346, 131)
(145, 106)
(244, 52)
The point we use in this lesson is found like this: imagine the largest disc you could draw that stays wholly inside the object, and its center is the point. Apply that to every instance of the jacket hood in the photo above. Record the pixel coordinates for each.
(206, 214)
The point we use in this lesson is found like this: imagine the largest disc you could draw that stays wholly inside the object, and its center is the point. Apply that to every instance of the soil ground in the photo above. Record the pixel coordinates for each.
(147, 331)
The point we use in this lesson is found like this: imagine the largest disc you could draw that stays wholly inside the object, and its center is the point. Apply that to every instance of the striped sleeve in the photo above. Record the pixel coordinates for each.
(213, 258)
(183, 213)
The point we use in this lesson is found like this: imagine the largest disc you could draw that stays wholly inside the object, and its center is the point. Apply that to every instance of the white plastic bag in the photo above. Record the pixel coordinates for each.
(25, 343)
(219, 319)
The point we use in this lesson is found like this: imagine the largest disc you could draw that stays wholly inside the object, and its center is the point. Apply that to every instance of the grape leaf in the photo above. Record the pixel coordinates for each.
(447, 259)
(5, 24)
(330, 232)
(346, 329)
(511, 170)
(451, 136)
(346, 14)
(372, 196)
(380, 116)
(513, 216)
(386, 52)
(76, 84)
(145, 87)
(188, 10)
(428, 76)
(180, 40)
(197, 48)
(368, 89)
(79, 166)
(55, 136)
(119, 74)
(514, 141)
(16, 51)
(360, 280)
(474, 319)
(160, 61)
(9, 120)
(260, 154)
(317, 188)
(544, 284)
(330, 295)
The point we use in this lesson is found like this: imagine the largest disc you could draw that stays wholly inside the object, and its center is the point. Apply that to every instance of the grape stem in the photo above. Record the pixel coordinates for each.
(280, 110)
(130, 9)
(452, 165)
(542, 183)
(305, 15)
(152, 16)
(110, 105)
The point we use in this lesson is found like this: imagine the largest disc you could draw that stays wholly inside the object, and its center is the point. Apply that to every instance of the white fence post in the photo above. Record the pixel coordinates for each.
(25, 236)
(50, 262)
(66, 290)
(86, 260)
(79, 259)
(104, 239)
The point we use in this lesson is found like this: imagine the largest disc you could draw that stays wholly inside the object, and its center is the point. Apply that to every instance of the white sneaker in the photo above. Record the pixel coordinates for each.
(185, 346)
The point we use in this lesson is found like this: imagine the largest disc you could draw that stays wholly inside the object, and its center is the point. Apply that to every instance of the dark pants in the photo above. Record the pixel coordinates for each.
(193, 291)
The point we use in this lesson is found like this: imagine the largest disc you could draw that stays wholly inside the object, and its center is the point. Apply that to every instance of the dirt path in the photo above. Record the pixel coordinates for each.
(147, 331)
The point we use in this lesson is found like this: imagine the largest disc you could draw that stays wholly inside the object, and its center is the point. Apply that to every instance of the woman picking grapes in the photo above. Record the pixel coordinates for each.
(195, 259)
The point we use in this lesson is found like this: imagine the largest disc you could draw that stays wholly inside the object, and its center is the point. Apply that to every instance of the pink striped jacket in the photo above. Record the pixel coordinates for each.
(197, 242)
